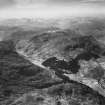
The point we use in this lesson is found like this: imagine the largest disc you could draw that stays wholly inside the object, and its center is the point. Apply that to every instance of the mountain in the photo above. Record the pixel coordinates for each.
(66, 48)
(52, 62)
(18, 75)
(22, 82)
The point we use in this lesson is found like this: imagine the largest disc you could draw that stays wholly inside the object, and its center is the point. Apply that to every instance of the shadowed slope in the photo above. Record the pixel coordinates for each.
(18, 75)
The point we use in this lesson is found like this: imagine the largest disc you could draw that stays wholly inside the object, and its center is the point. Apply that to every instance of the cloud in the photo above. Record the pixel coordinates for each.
(50, 8)
(52, 1)
(63, 2)
(6, 3)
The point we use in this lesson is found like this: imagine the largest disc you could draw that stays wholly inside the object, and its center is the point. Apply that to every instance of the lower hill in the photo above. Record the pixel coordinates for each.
(18, 75)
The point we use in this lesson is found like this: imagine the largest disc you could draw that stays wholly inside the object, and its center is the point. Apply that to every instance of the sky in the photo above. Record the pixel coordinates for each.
(50, 8)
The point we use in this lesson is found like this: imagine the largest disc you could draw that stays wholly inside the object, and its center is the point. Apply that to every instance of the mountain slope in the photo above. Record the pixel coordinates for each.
(18, 75)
